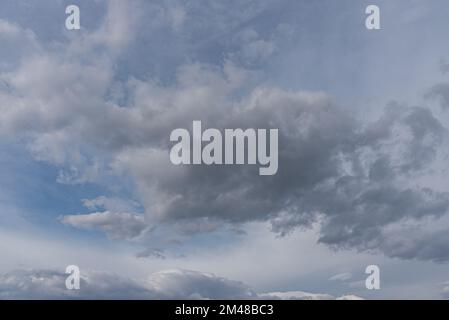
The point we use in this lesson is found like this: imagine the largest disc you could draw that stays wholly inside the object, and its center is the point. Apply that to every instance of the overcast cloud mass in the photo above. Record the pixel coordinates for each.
(85, 122)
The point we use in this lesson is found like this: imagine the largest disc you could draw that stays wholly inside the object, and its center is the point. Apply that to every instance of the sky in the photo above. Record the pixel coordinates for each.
(86, 177)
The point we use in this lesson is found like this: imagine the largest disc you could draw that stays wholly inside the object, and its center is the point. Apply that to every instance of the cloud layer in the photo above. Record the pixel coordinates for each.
(361, 180)
(169, 284)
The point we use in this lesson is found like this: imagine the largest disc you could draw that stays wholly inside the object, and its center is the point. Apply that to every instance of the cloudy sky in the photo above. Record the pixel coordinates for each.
(86, 179)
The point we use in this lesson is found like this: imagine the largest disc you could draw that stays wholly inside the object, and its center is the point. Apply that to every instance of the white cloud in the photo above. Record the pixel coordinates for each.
(349, 297)
(168, 284)
(341, 277)
(301, 295)
(296, 295)
(17, 43)
(291, 262)
(10, 30)
(115, 225)
(182, 284)
(48, 284)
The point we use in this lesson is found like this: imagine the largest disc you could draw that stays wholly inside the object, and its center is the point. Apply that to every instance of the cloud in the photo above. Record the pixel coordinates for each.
(115, 225)
(445, 290)
(349, 297)
(182, 284)
(151, 252)
(168, 284)
(110, 203)
(428, 242)
(301, 295)
(347, 177)
(78, 110)
(341, 277)
(47, 284)
(253, 48)
(296, 295)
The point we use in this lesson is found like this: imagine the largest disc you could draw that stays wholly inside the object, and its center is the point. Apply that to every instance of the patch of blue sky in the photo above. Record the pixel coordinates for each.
(32, 188)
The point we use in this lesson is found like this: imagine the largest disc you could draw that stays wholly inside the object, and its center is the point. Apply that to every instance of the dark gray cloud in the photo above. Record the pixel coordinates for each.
(354, 178)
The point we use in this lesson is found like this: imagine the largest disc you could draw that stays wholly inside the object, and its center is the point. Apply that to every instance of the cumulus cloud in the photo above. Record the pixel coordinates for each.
(181, 284)
(440, 92)
(301, 295)
(16, 43)
(168, 284)
(348, 177)
(48, 284)
(297, 295)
